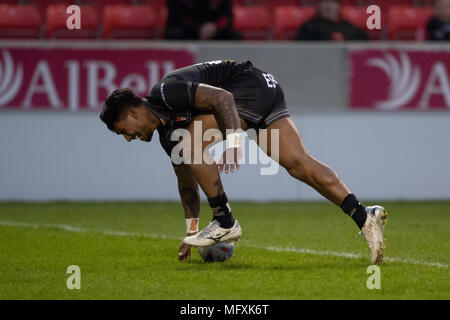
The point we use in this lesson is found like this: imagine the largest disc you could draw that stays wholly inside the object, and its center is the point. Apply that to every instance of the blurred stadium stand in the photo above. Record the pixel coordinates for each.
(408, 23)
(19, 21)
(129, 22)
(254, 19)
(254, 23)
(288, 20)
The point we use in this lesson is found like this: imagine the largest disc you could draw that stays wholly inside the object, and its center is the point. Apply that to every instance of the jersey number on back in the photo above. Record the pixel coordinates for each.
(270, 79)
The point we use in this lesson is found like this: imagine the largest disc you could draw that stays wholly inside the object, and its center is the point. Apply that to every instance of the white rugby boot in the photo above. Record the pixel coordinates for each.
(213, 234)
(373, 232)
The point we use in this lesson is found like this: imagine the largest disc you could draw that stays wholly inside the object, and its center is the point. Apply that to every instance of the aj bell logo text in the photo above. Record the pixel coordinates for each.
(234, 309)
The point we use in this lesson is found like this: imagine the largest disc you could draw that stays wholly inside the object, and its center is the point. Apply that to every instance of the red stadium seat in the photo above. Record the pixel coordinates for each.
(342, 2)
(56, 18)
(386, 3)
(130, 22)
(19, 21)
(252, 22)
(42, 5)
(271, 5)
(100, 5)
(289, 19)
(355, 15)
(160, 8)
(408, 23)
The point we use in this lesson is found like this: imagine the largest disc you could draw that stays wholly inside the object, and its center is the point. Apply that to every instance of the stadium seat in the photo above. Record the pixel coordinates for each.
(100, 5)
(386, 3)
(288, 20)
(252, 22)
(355, 15)
(56, 18)
(343, 2)
(19, 21)
(42, 5)
(130, 22)
(408, 23)
(272, 4)
(160, 8)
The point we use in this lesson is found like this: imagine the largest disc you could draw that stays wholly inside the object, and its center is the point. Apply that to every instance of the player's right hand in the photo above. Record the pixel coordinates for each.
(184, 253)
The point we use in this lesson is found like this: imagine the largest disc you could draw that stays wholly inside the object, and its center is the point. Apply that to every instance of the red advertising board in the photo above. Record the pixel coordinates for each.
(77, 79)
(393, 80)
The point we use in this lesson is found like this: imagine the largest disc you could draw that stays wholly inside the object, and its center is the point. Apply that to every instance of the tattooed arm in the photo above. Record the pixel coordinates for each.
(221, 103)
(188, 189)
(190, 199)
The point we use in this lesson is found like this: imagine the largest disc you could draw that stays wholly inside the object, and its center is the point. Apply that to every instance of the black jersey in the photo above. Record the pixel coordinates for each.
(257, 94)
(173, 97)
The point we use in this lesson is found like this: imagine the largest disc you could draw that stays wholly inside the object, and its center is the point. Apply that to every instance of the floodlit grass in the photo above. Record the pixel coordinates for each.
(289, 250)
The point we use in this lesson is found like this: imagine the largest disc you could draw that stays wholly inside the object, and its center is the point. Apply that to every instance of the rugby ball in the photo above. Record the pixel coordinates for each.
(217, 253)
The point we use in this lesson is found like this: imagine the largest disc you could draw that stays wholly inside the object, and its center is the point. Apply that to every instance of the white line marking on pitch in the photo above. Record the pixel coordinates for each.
(270, 248)
(350, 255)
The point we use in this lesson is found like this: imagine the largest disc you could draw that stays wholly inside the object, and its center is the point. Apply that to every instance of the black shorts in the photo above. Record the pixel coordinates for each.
(259, 97)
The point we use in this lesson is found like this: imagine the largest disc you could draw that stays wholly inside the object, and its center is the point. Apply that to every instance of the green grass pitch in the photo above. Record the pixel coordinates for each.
(289, 250)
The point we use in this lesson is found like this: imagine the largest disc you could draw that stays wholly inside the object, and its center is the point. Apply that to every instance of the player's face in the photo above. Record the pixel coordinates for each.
(137, 124)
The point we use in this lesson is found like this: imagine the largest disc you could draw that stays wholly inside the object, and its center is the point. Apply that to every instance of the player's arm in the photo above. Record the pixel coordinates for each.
(221, 103)
(190, 199)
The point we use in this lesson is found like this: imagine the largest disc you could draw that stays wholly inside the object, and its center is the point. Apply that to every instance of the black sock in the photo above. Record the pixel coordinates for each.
(354, 209)
(221, 210)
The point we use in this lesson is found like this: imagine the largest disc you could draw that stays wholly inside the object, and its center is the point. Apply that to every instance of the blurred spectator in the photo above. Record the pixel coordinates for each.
(438, 28)
(328, 24)
(200, 19)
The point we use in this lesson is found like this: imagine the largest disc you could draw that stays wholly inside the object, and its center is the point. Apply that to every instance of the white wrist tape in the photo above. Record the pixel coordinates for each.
(191, 225)
(234, 140)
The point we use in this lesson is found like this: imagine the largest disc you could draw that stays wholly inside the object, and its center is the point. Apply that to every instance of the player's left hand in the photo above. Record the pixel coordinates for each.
(230, 158)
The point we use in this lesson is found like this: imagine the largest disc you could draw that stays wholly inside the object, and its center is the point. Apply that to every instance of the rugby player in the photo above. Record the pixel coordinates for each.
(227, 95)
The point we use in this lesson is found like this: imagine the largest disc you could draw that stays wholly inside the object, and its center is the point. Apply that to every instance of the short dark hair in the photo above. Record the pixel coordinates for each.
(115, 105)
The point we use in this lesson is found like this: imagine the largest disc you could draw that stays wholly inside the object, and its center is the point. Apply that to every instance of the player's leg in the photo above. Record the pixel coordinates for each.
(293, 156)
(301, 165)
(223, 227)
